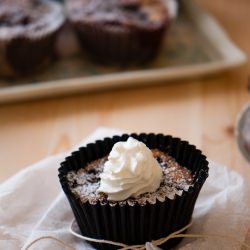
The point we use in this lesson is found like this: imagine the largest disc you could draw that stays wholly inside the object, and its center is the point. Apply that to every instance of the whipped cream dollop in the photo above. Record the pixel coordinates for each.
(130, 170)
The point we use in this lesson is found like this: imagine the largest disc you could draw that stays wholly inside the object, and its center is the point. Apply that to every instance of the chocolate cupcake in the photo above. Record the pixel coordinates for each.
(126, 191)
(124, 31)
(28, 31)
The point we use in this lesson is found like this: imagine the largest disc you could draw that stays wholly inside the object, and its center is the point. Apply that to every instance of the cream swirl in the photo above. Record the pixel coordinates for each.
(131, 170)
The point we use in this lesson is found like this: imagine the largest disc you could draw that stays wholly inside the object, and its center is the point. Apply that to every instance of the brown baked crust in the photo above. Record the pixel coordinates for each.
(132, 14)
(85, 182)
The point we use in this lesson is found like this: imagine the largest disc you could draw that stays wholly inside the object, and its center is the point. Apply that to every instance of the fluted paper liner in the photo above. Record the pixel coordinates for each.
(135, 223)
(119, 45)
(118, 41)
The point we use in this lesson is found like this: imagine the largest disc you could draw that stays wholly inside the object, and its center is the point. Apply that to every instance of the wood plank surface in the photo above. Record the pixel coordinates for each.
(202, 111)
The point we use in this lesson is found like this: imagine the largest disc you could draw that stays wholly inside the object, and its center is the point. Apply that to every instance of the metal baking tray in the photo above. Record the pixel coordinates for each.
(195, 45)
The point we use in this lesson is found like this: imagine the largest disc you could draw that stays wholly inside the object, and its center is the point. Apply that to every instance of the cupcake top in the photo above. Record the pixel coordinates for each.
(130, 170)
(131, 174)
(125, 13)
(29, 18)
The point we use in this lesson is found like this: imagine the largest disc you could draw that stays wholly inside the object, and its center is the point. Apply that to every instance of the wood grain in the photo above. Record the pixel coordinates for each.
(203, 111)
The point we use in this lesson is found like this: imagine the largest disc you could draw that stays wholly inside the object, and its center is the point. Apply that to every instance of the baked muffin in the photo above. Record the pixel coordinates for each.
(119, 31)
(28, 30)
(123, 190)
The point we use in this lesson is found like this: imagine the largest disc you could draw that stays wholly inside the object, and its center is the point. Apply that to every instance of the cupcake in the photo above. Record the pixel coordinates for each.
(28, 31)
(133, 188)
(123, 32)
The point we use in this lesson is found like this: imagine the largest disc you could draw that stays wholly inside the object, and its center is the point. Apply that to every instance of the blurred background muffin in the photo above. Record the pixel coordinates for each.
(28, 31)
(124, 32)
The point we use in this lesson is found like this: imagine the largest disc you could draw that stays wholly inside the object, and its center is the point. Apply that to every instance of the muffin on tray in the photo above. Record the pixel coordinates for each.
(119, 31)
(133, 188)
(28, 30)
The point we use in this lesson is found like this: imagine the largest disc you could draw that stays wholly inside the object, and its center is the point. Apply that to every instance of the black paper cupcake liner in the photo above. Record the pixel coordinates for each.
(120, 45)
(24, 56)
(136, 224)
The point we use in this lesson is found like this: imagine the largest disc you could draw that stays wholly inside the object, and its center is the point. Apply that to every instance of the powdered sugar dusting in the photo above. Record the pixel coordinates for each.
(29, 18)
(176, 179)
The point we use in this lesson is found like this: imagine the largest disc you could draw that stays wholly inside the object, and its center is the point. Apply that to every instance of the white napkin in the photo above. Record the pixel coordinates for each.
(32, 205)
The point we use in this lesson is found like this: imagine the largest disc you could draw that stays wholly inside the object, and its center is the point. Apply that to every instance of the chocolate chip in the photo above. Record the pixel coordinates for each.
(159, 159)
(142, 15)
(93, 179)
(131, 8)
(92, 171)
(74, 184)
(25, 21)
(14, 18)
(130, 5)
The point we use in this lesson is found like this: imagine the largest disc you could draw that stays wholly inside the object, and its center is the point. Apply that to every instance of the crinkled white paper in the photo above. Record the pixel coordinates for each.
(32, 205)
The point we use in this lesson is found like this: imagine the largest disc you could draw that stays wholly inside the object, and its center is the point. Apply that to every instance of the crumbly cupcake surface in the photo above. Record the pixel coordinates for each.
(29, 18)
(126, 13)
(176, 179)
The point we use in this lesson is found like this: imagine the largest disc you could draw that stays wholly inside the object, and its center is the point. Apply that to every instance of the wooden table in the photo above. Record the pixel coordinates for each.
(202, 111)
